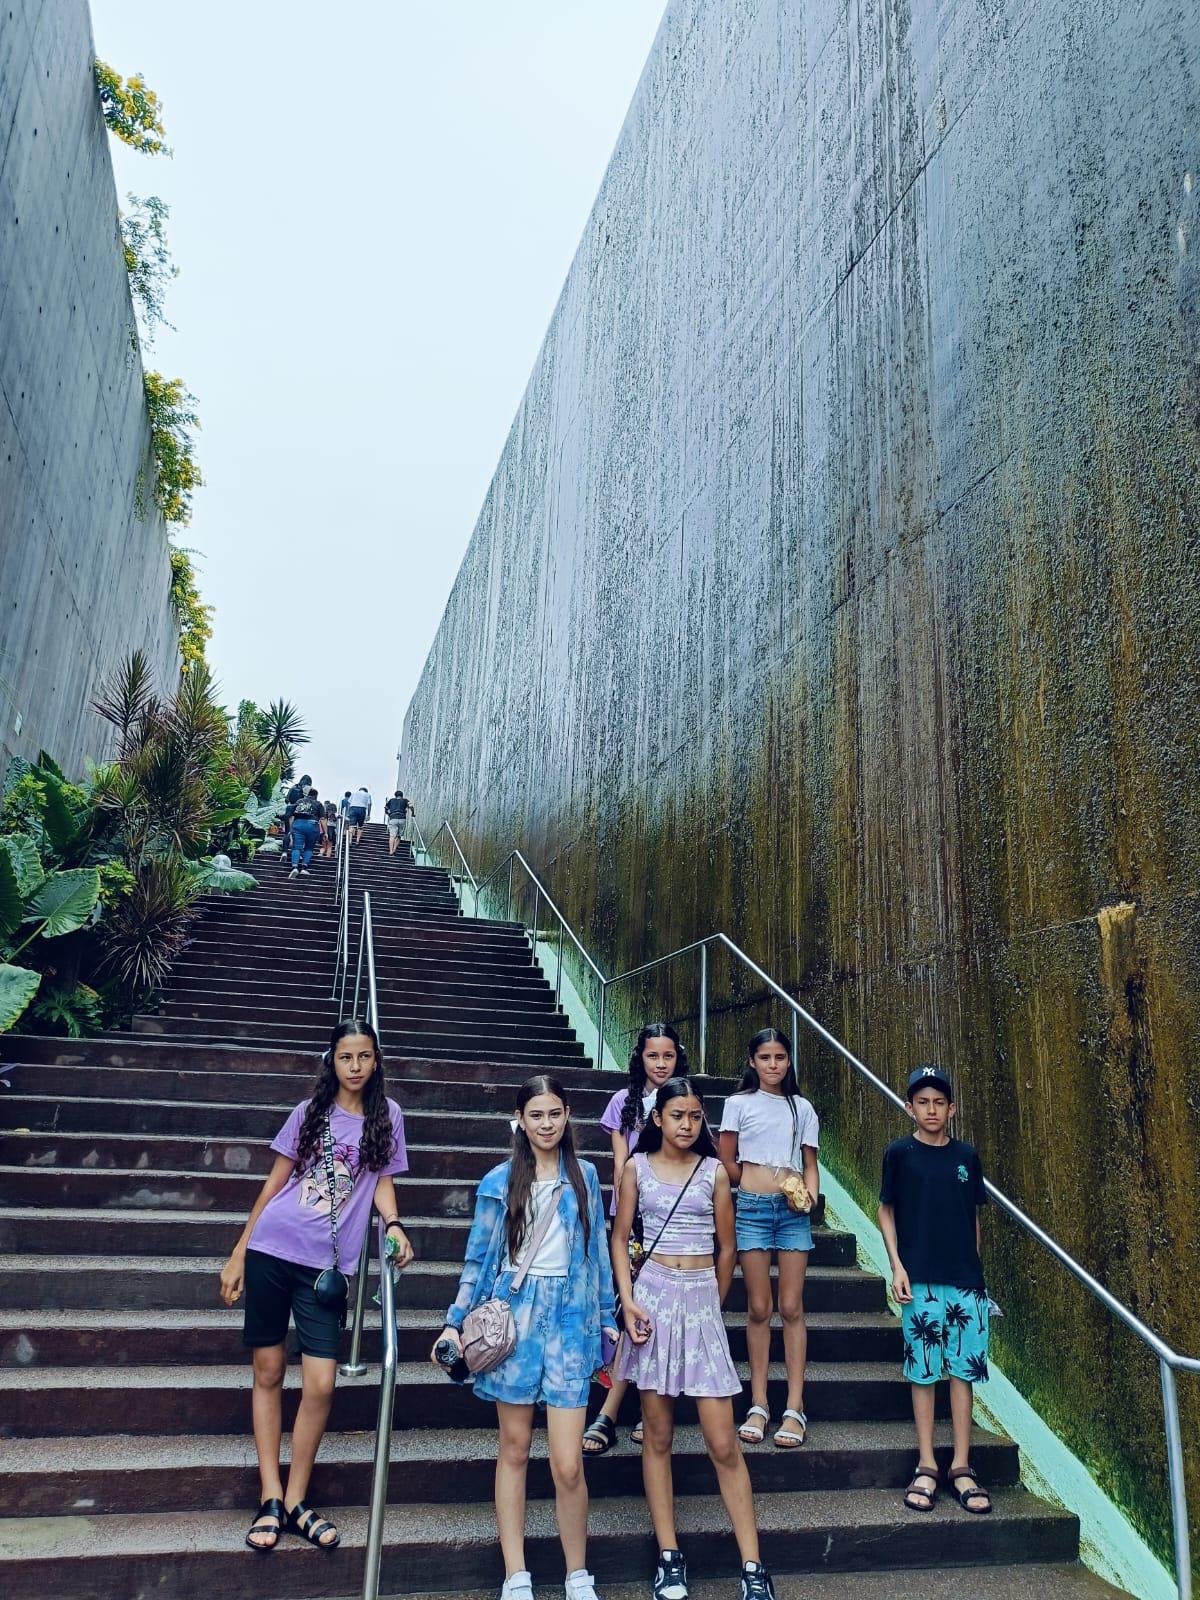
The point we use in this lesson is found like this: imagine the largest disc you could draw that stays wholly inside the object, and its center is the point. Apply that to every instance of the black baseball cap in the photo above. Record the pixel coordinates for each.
(929, 1077)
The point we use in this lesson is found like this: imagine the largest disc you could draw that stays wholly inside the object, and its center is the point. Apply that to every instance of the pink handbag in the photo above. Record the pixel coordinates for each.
(489, 1334)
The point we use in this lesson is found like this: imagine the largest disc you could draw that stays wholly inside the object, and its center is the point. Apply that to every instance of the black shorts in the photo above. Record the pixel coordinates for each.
(357, 815)
(276, 1289)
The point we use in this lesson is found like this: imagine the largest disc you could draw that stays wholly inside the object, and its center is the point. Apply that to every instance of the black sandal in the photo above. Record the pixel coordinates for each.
(603, 1433)
(928, 1495)
(963, 1495)
(311, 1529)
(269, 1508)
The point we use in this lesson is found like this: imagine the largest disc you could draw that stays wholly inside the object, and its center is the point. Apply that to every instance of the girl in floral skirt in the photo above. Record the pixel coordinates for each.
(676, 1340)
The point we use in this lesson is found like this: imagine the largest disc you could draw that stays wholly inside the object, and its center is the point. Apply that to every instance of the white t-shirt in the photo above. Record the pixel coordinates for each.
(766, 1134)
(361, 797)
(553, 1257)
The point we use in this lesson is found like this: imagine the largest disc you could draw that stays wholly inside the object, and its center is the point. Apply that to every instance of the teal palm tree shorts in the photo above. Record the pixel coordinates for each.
(945, 1334)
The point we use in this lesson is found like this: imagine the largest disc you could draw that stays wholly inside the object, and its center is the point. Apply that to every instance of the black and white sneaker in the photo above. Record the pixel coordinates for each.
(756, 1582)
(670, 1580)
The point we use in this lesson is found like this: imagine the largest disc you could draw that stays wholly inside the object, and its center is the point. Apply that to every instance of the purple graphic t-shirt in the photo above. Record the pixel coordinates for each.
(611, 1122)
(295, 1224)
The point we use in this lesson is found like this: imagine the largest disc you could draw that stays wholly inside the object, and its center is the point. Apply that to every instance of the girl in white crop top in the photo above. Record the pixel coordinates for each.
(769, 1134)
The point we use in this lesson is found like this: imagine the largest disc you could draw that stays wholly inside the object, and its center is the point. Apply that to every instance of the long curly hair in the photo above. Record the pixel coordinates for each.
(523, 1168)
(631, 1111)
(378, 1142)
(652, 1139)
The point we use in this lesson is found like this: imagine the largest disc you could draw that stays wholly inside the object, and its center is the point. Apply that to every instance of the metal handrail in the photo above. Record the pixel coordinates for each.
(564, 927)
(1170, 1360)
(341, 899)
(466, 865)
(383, 1426)
(355, 1366)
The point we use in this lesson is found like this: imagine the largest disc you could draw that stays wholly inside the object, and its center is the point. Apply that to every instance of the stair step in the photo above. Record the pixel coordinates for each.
(115, 1474)
(184, 1232)
(152, 1283)
(204, 1337)
(1024, 1581)
(447, 1549)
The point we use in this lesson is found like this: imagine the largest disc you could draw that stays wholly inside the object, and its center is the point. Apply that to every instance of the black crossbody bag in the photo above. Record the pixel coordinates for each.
(332, 1287)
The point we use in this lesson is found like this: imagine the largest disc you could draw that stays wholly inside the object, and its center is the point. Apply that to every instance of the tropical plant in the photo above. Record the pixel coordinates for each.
(173, 417)
(147, 260)
(98, 885)
(131, 110)
(193, 616)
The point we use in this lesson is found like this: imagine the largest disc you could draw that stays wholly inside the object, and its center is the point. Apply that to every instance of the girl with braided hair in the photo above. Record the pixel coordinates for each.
(657, 1057)
(336, 1154)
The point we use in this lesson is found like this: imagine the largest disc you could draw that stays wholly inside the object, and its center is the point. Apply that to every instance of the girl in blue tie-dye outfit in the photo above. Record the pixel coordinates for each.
(561, 1310)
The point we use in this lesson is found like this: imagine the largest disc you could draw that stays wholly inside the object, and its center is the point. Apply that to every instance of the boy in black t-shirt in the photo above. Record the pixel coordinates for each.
(928, 1213)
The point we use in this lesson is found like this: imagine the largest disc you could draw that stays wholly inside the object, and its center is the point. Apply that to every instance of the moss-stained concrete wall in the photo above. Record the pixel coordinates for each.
(84, 575)
(838, 587)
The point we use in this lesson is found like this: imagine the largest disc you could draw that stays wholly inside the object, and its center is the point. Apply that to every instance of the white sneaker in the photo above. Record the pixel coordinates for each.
(581, 1586)
(518, 1587)
(294, 873)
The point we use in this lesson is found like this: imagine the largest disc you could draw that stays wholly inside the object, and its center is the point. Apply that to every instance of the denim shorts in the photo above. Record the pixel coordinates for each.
(767, 1222)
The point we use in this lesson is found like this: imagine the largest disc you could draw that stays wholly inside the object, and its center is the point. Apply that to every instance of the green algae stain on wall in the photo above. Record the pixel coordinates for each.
(839, 587)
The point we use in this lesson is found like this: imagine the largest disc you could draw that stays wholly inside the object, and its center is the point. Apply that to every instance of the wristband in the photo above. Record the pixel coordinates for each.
(393, 1222)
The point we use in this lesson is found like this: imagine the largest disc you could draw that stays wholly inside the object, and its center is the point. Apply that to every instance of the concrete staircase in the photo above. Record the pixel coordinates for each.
(127, 1167)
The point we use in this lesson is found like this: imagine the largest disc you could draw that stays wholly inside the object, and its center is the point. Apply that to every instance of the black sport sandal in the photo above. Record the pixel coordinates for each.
(269, 1508)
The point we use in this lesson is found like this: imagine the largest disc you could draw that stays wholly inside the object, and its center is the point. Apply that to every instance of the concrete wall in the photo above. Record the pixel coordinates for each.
(83, 576)
(838, 588)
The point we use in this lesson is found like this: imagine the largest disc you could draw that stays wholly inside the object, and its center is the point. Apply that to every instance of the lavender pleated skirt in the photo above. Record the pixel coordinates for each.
(687, 1351)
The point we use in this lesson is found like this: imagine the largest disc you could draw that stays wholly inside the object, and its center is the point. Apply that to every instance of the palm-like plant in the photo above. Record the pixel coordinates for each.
(148, 929)
(980, 1297)
(928, 1331)
(910, 1355)
(282, 731)
(977, 1369)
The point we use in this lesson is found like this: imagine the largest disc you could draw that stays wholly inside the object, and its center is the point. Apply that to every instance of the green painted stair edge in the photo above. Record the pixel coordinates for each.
(1109, 1543)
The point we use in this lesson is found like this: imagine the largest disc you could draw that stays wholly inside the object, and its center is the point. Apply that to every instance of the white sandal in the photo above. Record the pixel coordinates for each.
(751, 1432)
(786, 1438)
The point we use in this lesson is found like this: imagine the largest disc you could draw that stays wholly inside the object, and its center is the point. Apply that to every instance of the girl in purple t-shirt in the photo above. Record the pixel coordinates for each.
(657, 1056)
(288, 1243)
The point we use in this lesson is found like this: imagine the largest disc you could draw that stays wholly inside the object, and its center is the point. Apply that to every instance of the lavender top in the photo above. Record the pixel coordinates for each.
(295, 1225)
(691, 1227)
(611, 1121)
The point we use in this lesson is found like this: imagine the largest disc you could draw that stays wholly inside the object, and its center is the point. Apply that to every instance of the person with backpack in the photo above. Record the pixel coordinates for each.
(397, 812)
(331, 822)
(294, 794)
(308, 826)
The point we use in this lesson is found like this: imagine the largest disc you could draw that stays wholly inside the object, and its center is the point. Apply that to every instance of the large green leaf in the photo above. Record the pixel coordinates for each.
(65, 901)
(12, 901)
(26, 862)
(17, 988)
(63, 826)
(224, 880)
(261, 814)
(48, 764)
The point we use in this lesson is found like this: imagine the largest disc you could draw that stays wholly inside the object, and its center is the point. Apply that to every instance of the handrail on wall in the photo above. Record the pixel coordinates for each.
(1170, 1361)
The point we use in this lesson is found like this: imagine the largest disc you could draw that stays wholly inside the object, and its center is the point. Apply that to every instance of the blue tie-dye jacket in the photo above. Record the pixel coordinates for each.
(590, 1302)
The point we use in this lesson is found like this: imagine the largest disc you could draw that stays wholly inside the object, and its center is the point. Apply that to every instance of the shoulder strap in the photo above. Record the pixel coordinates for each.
(331, 1181)
(678, 1198)
(535, 1240)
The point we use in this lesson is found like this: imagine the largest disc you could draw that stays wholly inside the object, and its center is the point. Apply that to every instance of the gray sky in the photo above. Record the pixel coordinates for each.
(373, 208)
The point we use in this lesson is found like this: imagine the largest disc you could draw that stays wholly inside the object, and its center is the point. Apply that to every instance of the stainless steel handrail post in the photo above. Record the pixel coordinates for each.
(355, 1367)
(558, 973)
(603, 1006)
(508, 911)
(536, 908)
(703, 1005)
(383, 1427)
(1176, 1481)
(343, 901)
(372, 991)
(362, 944)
